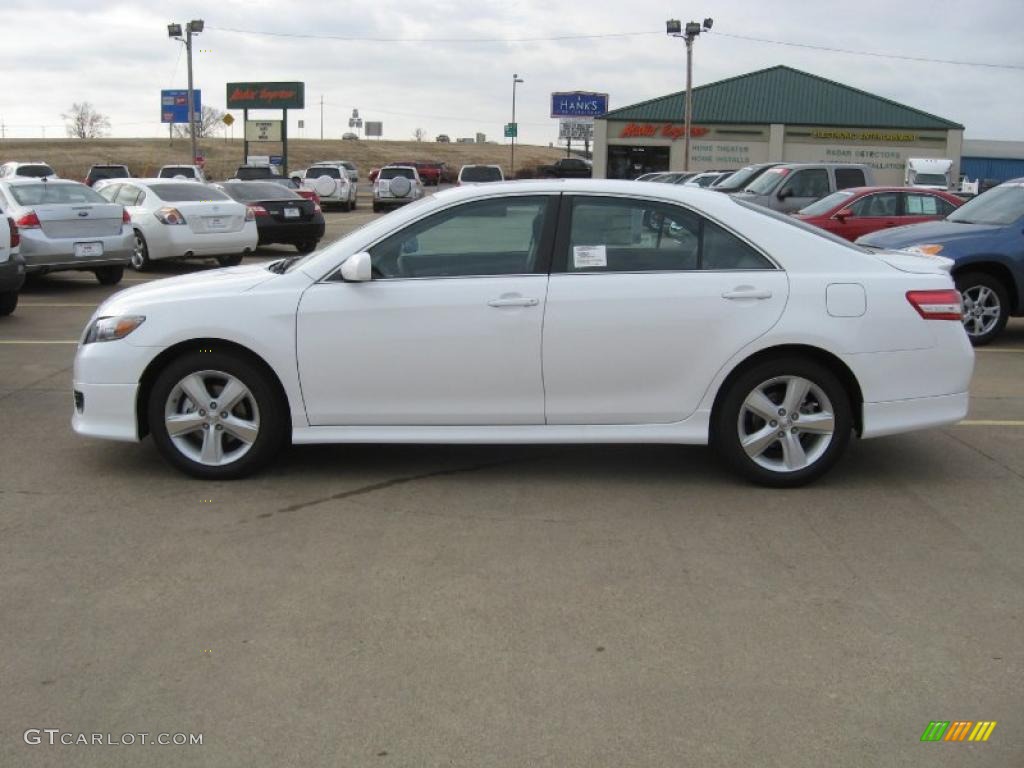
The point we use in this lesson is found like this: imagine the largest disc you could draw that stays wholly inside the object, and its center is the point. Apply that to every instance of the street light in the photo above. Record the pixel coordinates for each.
(194, 27)
(674, 28)
(516, 79)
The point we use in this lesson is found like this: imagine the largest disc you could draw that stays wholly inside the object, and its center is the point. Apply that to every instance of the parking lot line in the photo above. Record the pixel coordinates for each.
(999, 349)
(990, 423)
(37, 341)
(23, 304)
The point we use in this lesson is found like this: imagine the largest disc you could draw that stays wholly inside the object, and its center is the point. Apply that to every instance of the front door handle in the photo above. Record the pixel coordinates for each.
(518, 301)
(747, 293)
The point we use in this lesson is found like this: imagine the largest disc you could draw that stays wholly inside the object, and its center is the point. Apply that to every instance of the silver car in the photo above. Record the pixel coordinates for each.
(65, 225)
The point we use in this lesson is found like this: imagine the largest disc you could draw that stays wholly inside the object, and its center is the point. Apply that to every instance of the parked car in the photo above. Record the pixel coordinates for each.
(480, 174)
(32, 170)
(12, 266)
(350, 137)
(804, 339)
(739, 180)
(331, 183)
(566, 168)
(64, 225)
(182, 172)
(673, 177)
(858, 211)
(706, 178)
(792, 186)
(985, 239)
(443, 138)
(396, 185)
(282, 216)
(98, 172)
(372, 175)
(175, 219)
(252, 172)
(351, 171)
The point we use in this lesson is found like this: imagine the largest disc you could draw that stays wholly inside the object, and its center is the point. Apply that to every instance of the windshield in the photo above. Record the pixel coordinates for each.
(34, 171)
(826, 204)
(1000, 205)
(767, 181)
(45, 193)
(794, 222)
(172, 171)
(480, 173)
(187, 193)
(932, 179)
(316, 173)
(391, 173)
(741, 178)
(250, 191)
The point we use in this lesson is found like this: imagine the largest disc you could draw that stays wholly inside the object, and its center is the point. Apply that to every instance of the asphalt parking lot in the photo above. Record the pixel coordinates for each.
(474, 606)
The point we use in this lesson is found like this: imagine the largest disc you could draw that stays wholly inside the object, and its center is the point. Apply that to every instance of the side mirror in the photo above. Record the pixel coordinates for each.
(358, 268)
(844, 214)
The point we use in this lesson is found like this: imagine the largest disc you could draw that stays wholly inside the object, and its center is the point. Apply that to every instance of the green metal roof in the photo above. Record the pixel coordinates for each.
(784, 95)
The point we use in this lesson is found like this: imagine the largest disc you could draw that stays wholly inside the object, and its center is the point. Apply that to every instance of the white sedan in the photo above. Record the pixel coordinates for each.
(174, 219)
(572, 311)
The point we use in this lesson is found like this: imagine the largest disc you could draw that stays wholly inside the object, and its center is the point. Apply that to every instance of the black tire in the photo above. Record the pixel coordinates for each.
(8, 302)
(376, 208)
(109, 275)
(231, 260)
(306, 246)
(819, 454)
(270, 411)
(982, 329)
(140, 256)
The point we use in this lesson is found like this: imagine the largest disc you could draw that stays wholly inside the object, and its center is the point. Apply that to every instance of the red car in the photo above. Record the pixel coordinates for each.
(858, 211)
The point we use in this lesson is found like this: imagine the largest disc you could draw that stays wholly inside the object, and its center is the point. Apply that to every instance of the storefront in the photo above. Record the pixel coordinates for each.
(777, 114)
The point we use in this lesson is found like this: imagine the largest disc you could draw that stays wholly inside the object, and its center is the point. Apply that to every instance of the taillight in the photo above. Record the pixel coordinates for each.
(15, 235)
(125, 218)
(255, 210)
(937, 305)
(29, 221)
(169, 216)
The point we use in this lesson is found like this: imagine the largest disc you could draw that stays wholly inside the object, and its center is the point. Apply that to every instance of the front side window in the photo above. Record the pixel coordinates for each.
(810, 182)
(488, 237)
(882, 204)
(628, 235)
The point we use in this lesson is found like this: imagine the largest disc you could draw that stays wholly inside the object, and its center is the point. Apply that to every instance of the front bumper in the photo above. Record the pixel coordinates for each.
(106, 383)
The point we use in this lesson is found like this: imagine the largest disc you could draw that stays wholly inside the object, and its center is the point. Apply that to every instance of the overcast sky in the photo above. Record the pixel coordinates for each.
(117, 56)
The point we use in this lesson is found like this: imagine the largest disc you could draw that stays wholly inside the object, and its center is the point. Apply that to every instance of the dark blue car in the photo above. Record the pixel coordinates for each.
(985, 239)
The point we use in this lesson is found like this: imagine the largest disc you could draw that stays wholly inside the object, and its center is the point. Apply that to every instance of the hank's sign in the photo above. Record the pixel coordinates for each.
(660, 131)
(266, 95)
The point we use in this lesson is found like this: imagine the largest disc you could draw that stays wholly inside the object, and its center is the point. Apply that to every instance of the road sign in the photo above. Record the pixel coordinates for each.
(276, 160)
(511, 130)
(227, 120)
(200, 160)
(568, 105)
(263, 130)
(374, 128)
(174, 105)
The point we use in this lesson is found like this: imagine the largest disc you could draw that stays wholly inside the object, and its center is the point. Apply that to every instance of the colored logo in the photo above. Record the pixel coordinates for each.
(958, 730)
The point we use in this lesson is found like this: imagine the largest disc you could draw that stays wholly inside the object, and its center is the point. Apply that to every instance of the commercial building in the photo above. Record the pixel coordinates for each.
(775, 114)
(990, 161)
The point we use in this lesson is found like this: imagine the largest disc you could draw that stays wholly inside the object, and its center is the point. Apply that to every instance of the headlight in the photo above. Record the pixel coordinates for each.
(930, 249)
(112, 328)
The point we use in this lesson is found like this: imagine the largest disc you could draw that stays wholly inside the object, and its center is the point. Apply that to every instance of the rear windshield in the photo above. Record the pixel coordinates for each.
(171, 172)
(1000, 205)
(826, 204)
(45, 193)
(98, 172)
(480, 173)
(316, 173)
(259, 190)
(263, 172)
(34, 171)
(391, 173)
(767, 181)
(186, 193)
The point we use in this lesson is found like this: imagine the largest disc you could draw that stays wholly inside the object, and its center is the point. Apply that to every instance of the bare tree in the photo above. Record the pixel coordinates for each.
(208, 124)
(82, 121)
(419, 134)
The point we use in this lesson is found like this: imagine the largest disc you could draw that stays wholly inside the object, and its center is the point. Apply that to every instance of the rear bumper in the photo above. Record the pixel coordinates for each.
(12, 274)
(44, 254)
(174, 242)
(895, 416)
(279, 232)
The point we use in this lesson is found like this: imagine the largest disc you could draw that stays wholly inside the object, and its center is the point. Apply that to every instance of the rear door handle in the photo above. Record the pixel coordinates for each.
(513, 302)
(747, 293)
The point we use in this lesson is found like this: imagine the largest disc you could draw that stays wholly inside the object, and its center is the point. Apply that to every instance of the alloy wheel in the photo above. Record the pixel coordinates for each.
(981, 309)
(212, 418)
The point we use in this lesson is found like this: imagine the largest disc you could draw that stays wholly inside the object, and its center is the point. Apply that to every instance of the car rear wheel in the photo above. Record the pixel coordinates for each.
(231, 260)
(8, 302)
(109, 275)
(306, 246)
(986, 306)
(783, 422)
(216, 415)
(140, 254)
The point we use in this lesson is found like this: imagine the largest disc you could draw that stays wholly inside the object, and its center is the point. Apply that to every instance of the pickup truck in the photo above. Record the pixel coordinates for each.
(566, 168)
(12, 268)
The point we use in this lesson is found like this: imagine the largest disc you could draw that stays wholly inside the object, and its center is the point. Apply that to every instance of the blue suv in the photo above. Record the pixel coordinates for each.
(985, 239)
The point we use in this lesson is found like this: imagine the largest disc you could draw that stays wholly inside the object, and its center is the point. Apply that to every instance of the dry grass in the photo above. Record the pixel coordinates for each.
(71, 158)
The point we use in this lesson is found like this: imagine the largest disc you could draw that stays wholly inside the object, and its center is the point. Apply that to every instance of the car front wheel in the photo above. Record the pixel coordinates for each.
(986, 306)
(216, 415)
(783, 422)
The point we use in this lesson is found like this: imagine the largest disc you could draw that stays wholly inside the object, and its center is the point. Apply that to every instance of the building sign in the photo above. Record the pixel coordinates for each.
(721, 154)
(862, 135)
(266, 95)
(174, 105)
(671, 131)
(263, 130)
(578, 105)
(575, 130)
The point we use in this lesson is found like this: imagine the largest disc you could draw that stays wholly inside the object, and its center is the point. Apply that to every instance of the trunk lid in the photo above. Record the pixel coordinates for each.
(79, 221)
(212, 218)
(914, 263)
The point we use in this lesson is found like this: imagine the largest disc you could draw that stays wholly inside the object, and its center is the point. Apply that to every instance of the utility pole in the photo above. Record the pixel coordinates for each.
(194, 27)
(321, 117)
(689, 34)
(516, 79)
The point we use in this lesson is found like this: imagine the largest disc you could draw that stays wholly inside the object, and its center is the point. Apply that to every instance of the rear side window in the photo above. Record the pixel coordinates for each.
(927, 205)
(619, 235)
(850, 177)
(187, 193)
(810, 182)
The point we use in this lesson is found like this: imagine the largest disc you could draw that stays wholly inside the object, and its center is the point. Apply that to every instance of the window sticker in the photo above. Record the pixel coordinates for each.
(589, 256)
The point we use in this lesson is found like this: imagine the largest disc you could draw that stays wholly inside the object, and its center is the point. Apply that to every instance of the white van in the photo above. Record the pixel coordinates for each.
(928, 173)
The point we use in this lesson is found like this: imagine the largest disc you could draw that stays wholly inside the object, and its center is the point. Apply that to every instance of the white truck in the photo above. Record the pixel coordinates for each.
(928, 172)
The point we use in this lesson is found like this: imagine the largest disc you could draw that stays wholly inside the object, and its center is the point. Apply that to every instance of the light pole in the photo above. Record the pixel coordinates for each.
(674, 28)
(194, 27)
(516, 79)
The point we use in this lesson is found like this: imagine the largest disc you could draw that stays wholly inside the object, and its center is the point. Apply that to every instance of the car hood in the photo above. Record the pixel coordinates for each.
(941, 232)
(216, 282)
